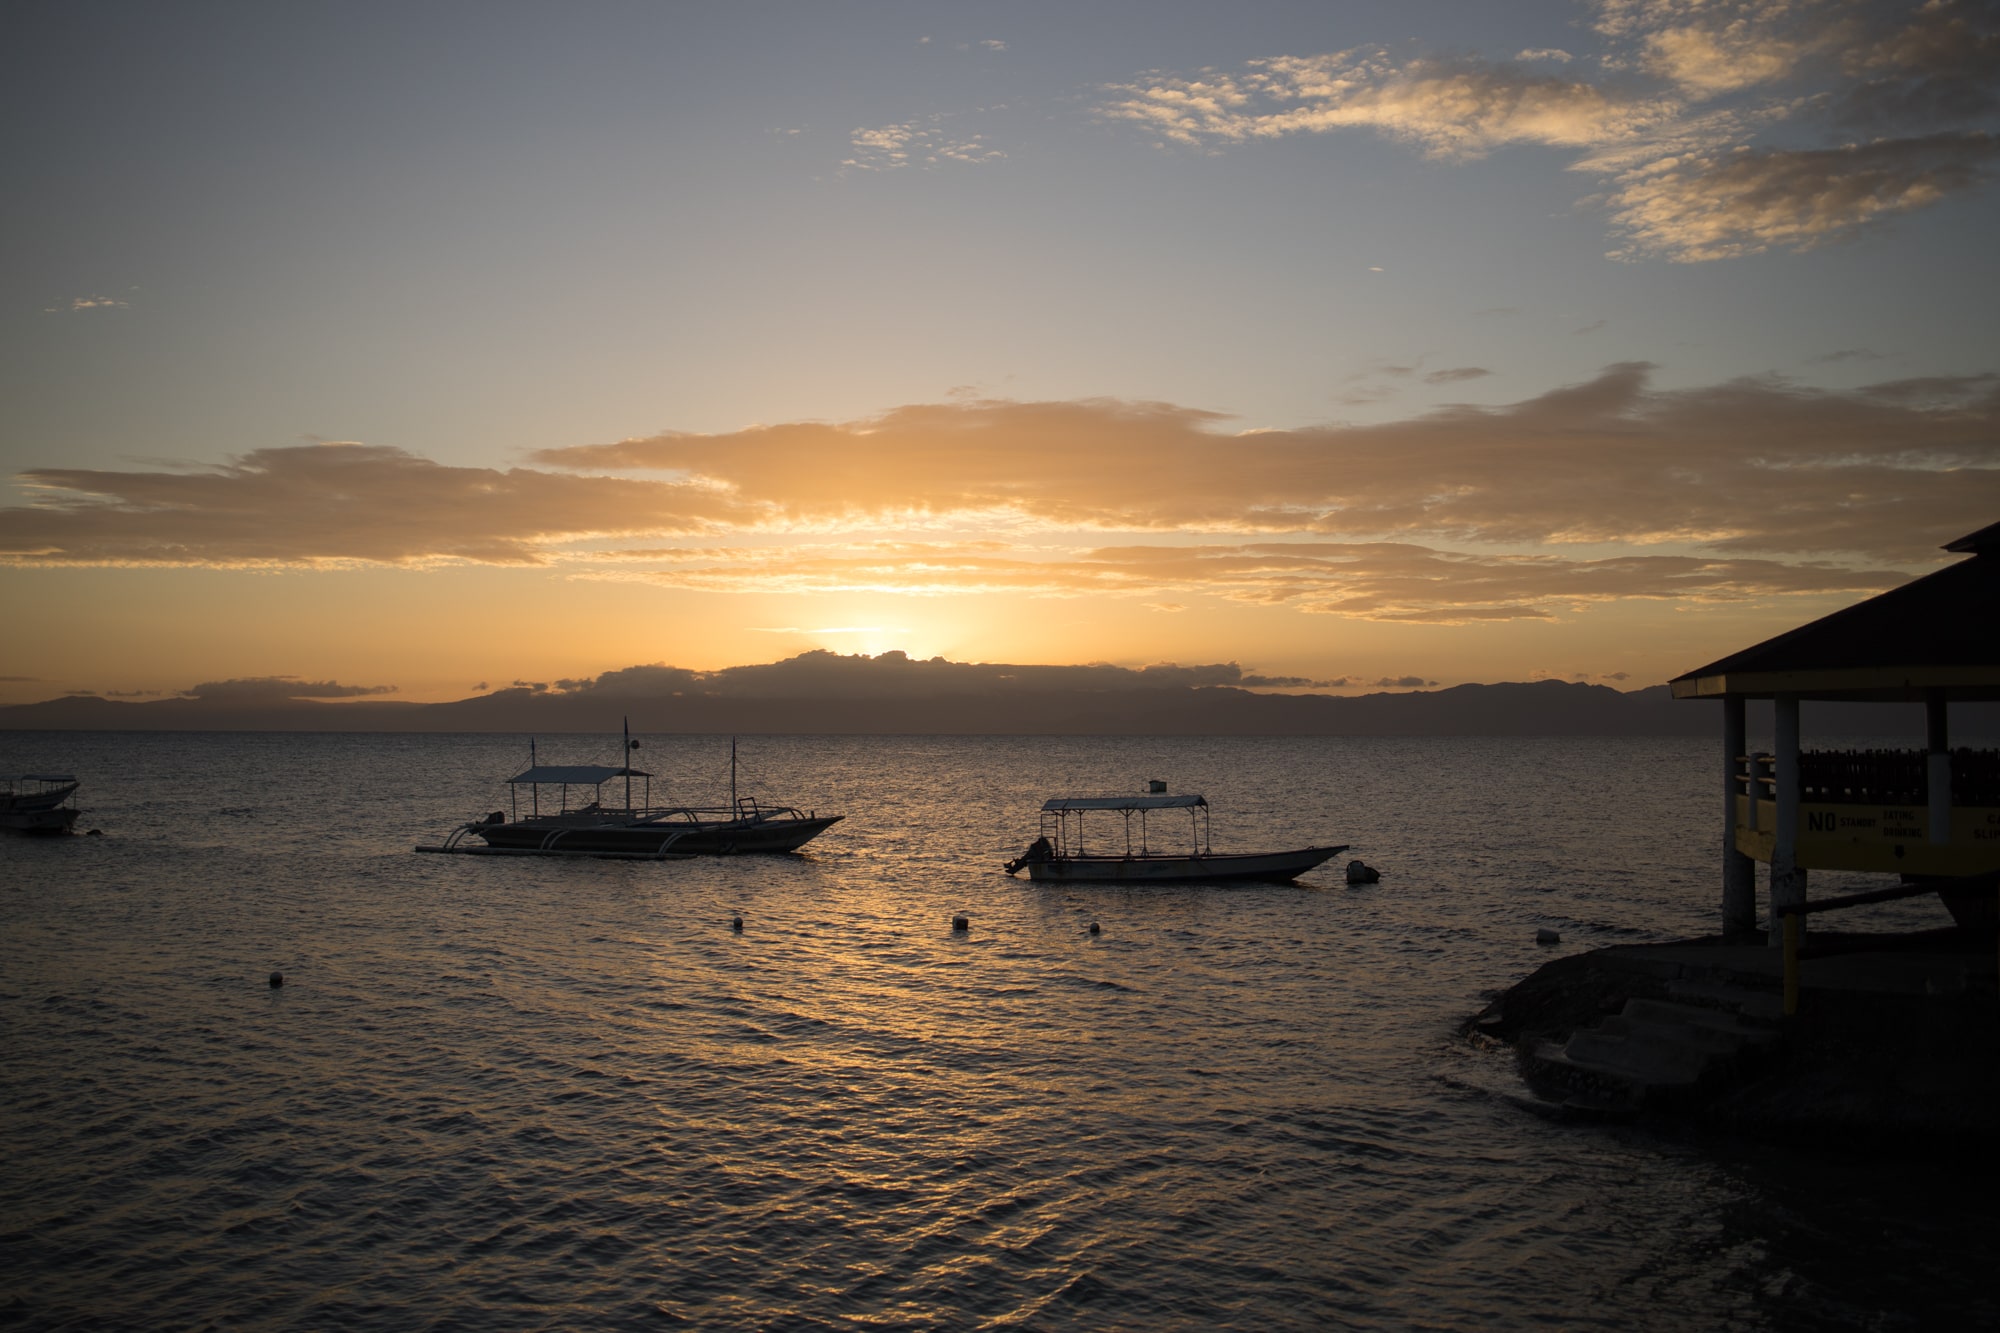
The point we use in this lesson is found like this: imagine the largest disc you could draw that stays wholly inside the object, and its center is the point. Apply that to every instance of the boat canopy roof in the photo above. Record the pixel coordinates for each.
(575, 775)
(1122, 802)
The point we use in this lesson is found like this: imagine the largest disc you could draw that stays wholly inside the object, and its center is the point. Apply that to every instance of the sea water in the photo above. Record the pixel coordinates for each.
(508, 1093)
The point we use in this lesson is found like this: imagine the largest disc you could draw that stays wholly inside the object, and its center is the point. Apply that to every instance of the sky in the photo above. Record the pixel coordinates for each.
(426, 348)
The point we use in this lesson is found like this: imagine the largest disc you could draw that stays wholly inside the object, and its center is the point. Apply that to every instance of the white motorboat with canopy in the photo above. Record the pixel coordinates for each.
(1069, 848)
(637, 829)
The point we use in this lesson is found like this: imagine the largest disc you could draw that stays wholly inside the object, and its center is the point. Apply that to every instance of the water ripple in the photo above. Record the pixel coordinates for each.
(499, 1094)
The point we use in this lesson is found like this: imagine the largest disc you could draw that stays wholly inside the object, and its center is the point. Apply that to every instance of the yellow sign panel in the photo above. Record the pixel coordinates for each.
(1894, 839)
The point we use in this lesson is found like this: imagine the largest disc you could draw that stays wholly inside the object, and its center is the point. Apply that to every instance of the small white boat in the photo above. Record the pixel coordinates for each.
(38, 803)
(1062, 852)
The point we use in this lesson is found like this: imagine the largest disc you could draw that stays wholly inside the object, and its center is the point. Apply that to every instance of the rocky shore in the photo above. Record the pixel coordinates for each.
(1897, 1037)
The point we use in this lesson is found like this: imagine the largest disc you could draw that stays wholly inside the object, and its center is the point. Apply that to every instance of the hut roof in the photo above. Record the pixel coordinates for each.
(1937, 633)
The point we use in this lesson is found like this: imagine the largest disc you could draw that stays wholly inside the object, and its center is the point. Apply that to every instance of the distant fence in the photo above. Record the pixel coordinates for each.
(1895, 777)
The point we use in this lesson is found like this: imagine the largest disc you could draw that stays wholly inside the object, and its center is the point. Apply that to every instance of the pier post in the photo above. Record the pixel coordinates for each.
(1937, 765)
(1739, 872)
(1788, 878)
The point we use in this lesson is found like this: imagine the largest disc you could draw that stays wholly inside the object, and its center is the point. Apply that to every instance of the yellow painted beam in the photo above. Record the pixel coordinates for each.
(1888, 683)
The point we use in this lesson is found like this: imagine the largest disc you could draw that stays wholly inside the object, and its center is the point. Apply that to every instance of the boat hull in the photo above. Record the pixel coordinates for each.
(58, 820)
(1256, 867)
(38, 812)
(558, 834)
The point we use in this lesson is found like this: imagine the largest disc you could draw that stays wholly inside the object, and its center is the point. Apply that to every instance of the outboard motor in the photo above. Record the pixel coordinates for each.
(1038, 850)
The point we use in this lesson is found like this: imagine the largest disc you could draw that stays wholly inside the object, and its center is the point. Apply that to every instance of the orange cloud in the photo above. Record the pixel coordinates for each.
(1748, 489)
(336, 503)
(1369, 581)
(1760, 466)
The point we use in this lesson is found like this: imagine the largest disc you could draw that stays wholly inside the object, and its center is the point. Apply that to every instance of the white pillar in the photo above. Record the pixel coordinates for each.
(1788, 879)
(1938, 765)
(1739, 872)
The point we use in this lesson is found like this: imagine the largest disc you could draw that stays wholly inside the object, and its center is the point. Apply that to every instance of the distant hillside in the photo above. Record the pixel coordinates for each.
(822, 693)
(1542, 708)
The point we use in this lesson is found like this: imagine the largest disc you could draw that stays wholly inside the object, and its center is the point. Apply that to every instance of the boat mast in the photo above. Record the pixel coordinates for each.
(732, 777)
(627, 765)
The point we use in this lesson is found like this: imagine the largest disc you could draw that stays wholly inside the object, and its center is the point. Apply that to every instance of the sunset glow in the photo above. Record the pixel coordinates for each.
(1583, 340)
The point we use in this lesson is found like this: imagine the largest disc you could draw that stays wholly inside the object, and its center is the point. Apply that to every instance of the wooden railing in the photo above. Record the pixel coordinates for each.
(1876, 777)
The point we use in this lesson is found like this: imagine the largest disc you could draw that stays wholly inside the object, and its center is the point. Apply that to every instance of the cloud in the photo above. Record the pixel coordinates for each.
(1672, 127)
(332, 504)
(1453, 110)
(1402, 682)
(1942, 65)
(1752, 488)
(1456, 375)
(252, 691)
(821, 674)
(883, 148)
(1741, 201)
(1388, 582)
(919, 143)
(1887, 472)
(1710, 47)
(88, 303)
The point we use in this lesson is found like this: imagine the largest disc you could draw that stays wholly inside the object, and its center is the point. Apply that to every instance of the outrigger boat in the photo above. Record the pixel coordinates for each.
(641, 830)
(38, 803)
(1060, 853)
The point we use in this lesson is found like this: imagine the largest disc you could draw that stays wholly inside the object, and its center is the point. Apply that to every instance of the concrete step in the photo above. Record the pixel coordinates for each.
(1744, 1001)
(1580, 1084)
(1655, 1059)
(1695, 1036)
(1665, 1013)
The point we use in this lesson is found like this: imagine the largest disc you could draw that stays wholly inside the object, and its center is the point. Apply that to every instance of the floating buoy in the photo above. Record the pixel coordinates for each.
(277, 980)
(95, 833)
(1547, 936)
(1360, 873)
(960, 923)
(1093, 928)
(736, 924)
